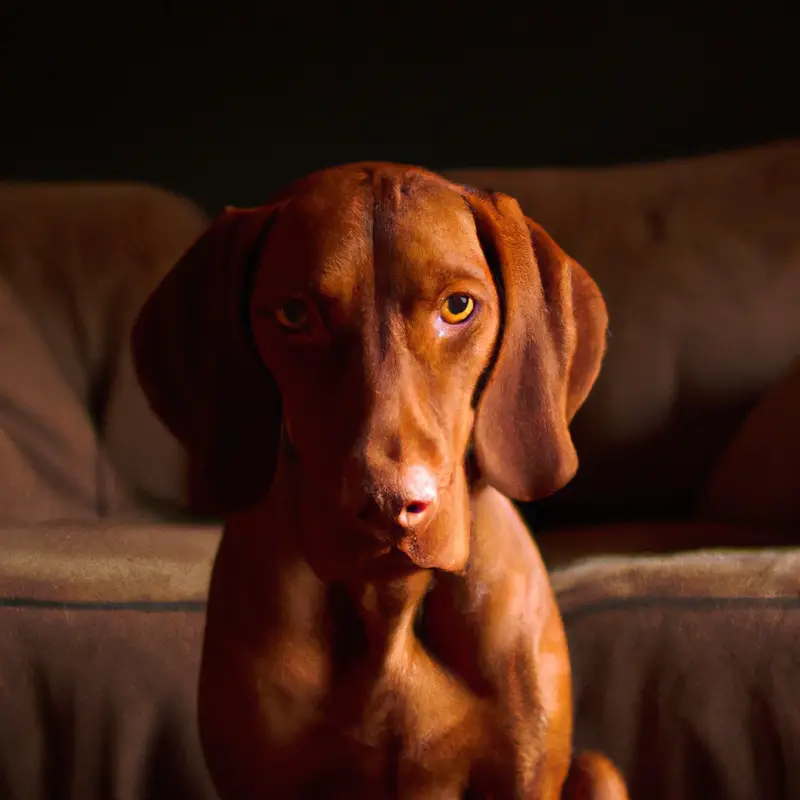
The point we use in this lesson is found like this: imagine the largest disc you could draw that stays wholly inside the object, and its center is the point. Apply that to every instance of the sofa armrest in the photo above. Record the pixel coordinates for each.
(102, 629)
(685, 670)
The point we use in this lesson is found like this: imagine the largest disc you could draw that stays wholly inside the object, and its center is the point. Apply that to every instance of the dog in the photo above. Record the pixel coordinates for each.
(365, 372)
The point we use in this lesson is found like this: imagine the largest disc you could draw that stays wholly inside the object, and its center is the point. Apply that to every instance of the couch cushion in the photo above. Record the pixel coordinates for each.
(757, 480)
(81, 258)
(685, 670)
(102, 629)
(699, 262)
(51, 466)
(563, 546)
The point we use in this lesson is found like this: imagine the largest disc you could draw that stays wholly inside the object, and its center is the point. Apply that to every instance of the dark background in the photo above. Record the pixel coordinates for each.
(227, 106)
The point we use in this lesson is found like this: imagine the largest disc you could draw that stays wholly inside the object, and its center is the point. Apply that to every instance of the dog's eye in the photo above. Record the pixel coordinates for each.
(293, 315)
(457, 308)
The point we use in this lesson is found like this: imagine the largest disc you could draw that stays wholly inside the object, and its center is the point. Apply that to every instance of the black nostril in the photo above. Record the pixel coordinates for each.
(416, 507)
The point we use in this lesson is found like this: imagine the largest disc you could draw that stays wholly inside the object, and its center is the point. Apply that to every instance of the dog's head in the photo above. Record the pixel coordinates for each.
(388, 337)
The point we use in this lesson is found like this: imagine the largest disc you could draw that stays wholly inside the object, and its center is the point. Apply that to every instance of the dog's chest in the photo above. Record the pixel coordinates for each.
(395, 730)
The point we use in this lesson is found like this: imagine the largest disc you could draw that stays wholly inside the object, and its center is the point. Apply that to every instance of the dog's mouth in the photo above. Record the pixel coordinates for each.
(382, 542)
(337, 546)
(364, 561)
(390, 563)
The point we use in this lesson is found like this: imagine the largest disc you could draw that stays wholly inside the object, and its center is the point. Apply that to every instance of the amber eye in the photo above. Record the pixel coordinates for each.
(457, 308)
(292, 315)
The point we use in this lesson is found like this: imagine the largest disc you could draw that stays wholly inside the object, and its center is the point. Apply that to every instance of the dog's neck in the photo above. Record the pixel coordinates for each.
(387, 609)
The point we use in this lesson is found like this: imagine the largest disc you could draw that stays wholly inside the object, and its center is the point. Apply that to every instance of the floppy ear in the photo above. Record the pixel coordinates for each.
(200, 372)
(551, 344)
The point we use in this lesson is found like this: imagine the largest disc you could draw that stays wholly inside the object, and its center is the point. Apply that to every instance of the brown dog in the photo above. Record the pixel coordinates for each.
(363, 372)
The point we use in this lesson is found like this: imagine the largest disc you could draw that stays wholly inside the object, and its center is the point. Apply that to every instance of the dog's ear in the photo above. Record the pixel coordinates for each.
(199, 369)
(550, 347)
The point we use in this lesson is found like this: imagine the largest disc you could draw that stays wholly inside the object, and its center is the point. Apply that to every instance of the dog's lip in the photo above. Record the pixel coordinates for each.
(391, 561)
(378, 544)
(383, 538)
(382, 542)
(403, 550)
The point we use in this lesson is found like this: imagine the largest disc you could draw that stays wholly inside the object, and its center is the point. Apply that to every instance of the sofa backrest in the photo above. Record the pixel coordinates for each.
(698, 259)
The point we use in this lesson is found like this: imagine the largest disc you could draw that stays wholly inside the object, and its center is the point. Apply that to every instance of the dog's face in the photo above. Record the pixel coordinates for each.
(375, 311)
(362, 332)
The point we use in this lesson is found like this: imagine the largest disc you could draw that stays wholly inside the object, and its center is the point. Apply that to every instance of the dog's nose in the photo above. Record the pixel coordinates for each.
(408, 500)
(417, 498)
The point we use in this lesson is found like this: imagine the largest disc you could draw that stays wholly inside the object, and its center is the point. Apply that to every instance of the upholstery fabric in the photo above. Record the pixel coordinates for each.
(101, 628)
(685, 670)
(79, 260)
(50, 463)
(757, 480)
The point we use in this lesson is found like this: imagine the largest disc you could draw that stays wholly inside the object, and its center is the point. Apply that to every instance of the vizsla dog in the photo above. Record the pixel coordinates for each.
(363, 372)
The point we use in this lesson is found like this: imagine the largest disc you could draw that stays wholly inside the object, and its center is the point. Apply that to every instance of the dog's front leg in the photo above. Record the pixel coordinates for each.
(497, 627)
(264, 663)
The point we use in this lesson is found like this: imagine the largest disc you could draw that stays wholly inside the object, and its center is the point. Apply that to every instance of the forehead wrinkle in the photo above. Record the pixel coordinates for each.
(394, 193)
(342, 261)
(425, 236)
(334, 229)
(344, 275)
(453, 267)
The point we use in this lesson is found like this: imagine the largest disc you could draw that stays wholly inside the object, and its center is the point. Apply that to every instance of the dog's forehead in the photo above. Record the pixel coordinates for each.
(345, 225)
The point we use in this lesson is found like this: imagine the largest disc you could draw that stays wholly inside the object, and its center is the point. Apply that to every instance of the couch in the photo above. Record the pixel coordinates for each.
(675, 552)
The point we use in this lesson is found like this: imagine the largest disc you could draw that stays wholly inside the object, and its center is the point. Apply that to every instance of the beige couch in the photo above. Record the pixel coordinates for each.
(685, 664)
